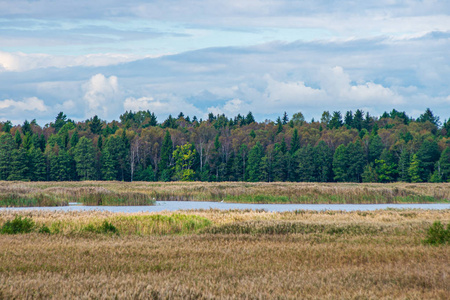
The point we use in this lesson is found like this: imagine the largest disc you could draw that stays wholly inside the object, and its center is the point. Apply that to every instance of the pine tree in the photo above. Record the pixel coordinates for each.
(254, 163)
(306, 168)
(444, 162)
(74, 139)
(375, 148)
(95, 125)
(428, 154)
(323, 162)
(19, 165)
(84, 155)
(295, 142)
(340, 164)
(414, 170)
(18, 139)
(37, 166)
(166, 162)
(6, 147)
(403, 166)
(355, 155)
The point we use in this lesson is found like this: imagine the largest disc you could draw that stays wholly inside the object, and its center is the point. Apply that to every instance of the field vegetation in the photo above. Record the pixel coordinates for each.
(202, 254)
(145, 193)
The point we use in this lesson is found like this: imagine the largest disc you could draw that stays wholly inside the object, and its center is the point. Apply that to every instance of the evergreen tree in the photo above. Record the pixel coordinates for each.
(279, 125)
(6, 147)
(18, 139)
(323, 162)
(279, 164)
(369, 174)
(430, 117)
(414, 170)
(348, 119)
(64, 169)
(7, 126)
(444, 164)
(403, 166)
(37, 167)
(255, 163)
(285, 118)
(19, 165)
(100, 143)
(428, 154)
(306, 168)
(386, 172)
(115, 159)
(375, 148)
(74, 139)
(336, 120)
(84, 154)
(340, 164)
(355, 154)
(165, 167)
(295, 142)
(60, 121)
(358, 120)
(95, 125)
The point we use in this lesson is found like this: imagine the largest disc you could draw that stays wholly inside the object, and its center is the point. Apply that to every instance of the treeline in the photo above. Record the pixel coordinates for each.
(355, 147)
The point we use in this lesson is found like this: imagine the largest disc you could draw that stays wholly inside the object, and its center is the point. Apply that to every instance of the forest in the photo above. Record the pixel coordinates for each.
(354, 147)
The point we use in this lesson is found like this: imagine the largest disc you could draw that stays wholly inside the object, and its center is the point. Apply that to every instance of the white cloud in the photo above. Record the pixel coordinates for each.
(19, 110)
(337, 84)
(102, 97)
(28, 104)
(18, 61)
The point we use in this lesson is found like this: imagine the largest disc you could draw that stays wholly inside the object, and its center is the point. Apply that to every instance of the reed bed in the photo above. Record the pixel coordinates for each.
(142, 193)
(29, 195)
(377, 254)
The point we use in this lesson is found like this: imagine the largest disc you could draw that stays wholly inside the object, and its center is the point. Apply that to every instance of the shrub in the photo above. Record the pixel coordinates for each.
(437, 234)
(106, 227)
(44, 229)
(18, 225)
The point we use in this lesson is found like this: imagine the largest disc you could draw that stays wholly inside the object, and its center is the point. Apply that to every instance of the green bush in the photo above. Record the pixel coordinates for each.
(437, 234)
(44, 229)
(106, 227)
(18, 225)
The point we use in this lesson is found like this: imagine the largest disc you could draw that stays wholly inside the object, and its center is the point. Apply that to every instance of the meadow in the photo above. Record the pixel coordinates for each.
(205, 254)
(15, 194)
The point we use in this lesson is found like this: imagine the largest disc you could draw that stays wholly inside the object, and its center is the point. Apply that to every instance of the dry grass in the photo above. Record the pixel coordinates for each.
(30, 195)
(239, 191)
(385, 260)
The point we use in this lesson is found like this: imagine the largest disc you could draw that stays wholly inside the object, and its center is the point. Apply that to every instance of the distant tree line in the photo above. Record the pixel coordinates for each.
(356, 147)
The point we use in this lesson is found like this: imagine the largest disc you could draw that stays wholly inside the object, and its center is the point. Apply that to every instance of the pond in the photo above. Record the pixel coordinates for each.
(186, 205)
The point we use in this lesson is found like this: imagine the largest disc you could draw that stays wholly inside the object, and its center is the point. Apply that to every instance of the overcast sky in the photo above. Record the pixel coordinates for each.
(101, 57)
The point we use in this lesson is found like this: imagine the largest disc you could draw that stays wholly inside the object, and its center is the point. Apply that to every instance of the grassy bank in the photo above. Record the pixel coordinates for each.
(144, 193)
(226, 254)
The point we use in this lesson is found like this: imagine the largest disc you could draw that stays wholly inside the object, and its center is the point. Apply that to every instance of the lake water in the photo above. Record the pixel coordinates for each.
(186, 205)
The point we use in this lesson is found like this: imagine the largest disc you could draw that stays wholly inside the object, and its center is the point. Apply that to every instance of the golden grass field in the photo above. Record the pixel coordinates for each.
(212, 254)
(143, 193)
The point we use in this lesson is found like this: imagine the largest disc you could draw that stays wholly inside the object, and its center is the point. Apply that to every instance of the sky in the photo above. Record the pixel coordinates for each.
(102, 58)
